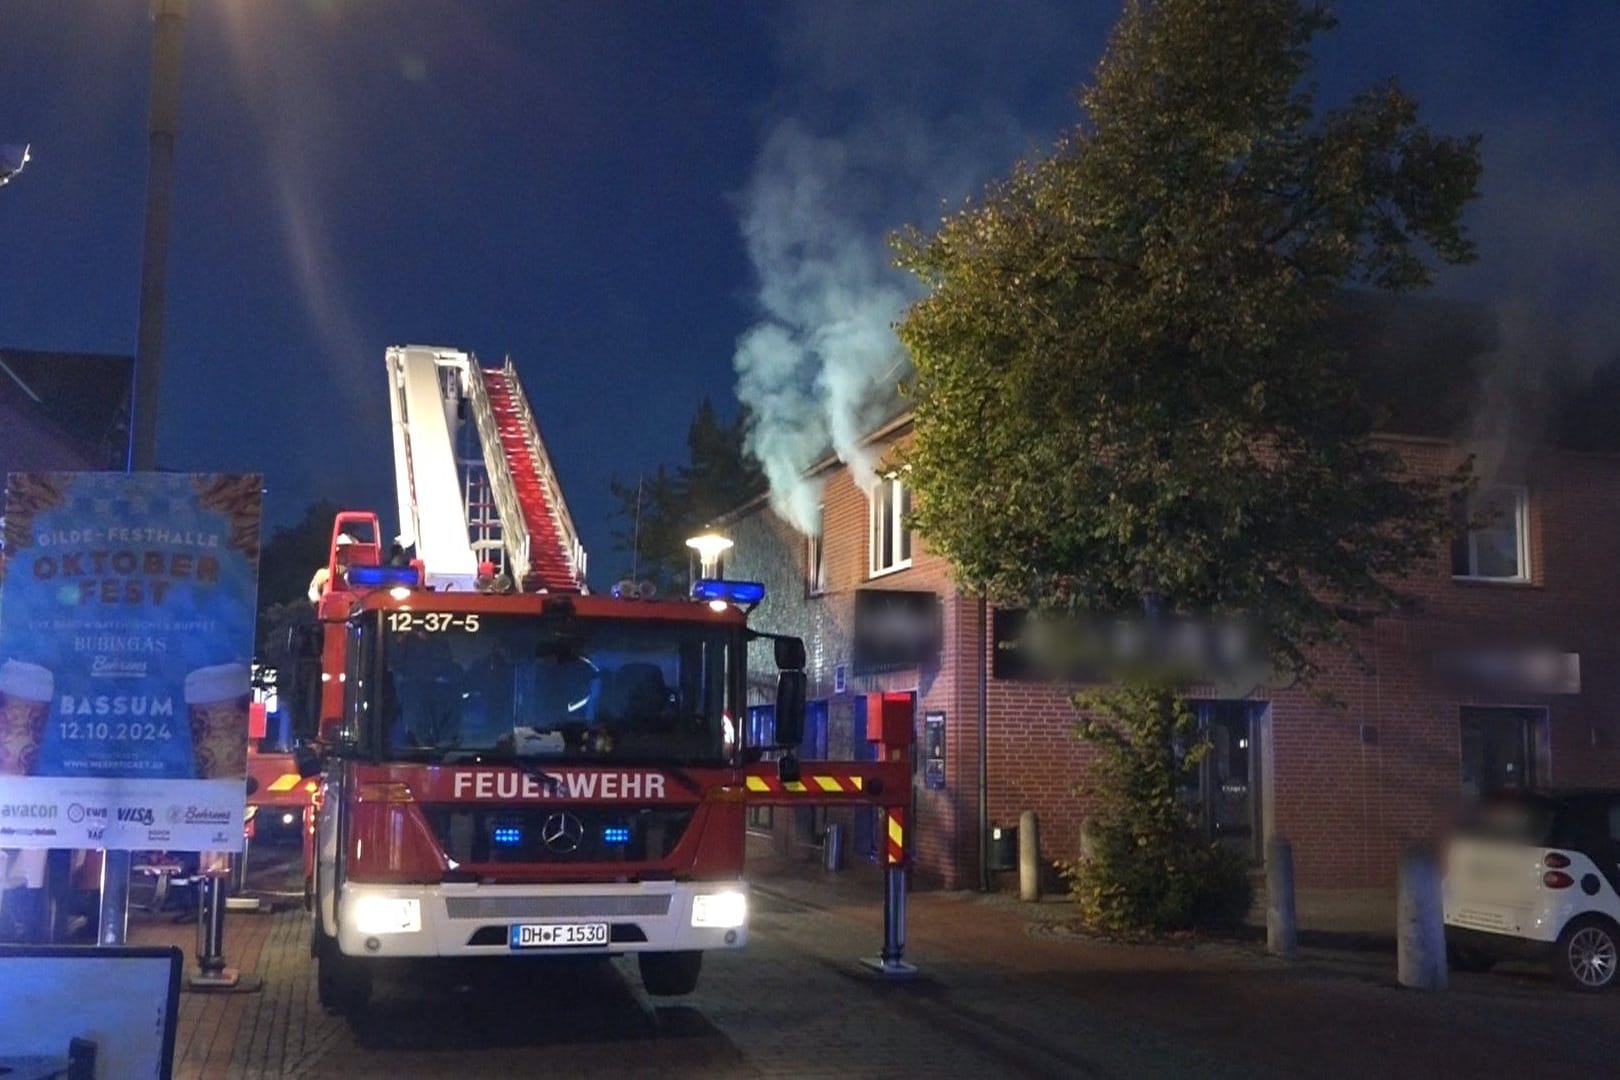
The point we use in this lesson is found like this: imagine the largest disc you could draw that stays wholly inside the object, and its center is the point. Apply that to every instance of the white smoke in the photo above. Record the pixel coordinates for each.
(810, 369)
(868, 142)
(1548, 227)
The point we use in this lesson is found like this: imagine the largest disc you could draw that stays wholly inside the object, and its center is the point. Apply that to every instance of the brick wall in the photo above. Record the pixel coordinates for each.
(1350, 783)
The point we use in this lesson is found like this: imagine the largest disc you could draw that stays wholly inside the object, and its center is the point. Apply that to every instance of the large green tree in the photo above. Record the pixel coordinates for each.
(657, 512)
(1123, 394)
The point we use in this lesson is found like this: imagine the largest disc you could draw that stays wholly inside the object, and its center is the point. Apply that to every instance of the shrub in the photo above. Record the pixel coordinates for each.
(1148, 868)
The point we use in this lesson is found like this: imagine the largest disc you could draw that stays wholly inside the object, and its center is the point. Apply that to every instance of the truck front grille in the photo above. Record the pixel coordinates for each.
(549, 834)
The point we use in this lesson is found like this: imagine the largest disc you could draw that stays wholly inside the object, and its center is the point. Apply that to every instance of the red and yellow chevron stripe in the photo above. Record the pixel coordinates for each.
(897, 835)
(819, 784)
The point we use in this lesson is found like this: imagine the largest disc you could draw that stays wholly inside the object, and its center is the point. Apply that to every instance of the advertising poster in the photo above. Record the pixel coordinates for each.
(126, 637)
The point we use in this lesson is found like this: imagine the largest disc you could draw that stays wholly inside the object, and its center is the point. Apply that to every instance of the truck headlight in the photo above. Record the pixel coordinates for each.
(387, 915)
(720, 911)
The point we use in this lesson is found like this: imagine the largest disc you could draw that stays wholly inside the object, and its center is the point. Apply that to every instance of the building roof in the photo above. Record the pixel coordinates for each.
(63, 410)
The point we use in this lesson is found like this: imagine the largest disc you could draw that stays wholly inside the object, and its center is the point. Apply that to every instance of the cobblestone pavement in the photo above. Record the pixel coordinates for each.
(1003, 992)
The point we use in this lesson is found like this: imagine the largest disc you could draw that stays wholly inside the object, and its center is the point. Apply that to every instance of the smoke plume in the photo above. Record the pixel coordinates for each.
(1548, 225)
(885, 120)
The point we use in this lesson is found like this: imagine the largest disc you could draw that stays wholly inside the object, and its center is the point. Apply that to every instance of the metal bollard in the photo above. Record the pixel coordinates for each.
(212, 903)
(832, 847)
(113, 921)
(1029, 857)
(1282, 924)
(1420, 957)
(1088, 838)
(211, 926)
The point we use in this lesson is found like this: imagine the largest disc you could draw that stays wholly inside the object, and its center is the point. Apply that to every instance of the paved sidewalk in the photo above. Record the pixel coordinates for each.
(1005, 989)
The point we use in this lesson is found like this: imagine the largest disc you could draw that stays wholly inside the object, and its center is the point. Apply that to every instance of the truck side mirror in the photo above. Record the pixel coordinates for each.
(304, 641)
(790, 694)
(789, 654)
(304, 699)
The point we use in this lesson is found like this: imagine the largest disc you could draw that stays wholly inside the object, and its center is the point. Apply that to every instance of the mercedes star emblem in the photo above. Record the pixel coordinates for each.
(562, 833)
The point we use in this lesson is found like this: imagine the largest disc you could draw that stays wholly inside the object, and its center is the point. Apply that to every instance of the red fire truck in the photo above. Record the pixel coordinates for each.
(511, 766)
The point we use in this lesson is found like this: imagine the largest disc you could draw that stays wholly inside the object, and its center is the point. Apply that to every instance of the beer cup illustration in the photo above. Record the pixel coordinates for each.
(25, 703)
(217, 705)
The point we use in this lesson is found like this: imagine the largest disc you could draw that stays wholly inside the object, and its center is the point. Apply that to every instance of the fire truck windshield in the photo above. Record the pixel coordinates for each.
(532, 687)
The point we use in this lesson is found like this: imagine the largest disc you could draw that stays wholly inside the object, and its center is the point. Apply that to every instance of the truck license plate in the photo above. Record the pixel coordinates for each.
(558, 935)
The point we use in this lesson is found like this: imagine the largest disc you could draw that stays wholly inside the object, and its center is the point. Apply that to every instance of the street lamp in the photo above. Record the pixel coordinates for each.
(12, 160)
(709, 546)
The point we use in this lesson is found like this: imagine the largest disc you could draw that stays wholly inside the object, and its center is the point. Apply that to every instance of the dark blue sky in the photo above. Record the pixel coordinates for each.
(568, 183)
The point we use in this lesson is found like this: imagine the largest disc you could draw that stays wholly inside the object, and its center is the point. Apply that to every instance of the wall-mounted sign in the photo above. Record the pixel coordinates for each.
(840, 678)
(1090, 649)
(896, 630)
(934, 751)
(1510, 671)
(126, 635)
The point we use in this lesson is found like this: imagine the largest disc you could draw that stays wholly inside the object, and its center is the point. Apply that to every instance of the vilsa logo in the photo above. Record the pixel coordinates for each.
(140, 815)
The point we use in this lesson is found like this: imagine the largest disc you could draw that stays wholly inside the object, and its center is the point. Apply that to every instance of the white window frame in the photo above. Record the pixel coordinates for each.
(1521, 528)
(896, 524)
(815, 556)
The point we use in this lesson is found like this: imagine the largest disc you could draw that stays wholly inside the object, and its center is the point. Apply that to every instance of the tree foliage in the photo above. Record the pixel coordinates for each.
(657, 512)
(1121, 388)
(1125, 398)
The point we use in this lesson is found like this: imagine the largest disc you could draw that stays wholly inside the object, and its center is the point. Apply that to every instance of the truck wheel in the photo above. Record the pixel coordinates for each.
(1588, 954)
(342, 983)
(670, 974)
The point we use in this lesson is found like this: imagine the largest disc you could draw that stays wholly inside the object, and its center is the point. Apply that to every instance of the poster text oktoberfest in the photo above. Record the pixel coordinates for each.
(126, 633)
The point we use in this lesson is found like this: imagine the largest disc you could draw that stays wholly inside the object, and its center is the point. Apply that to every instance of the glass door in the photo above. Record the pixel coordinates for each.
(1224, 789)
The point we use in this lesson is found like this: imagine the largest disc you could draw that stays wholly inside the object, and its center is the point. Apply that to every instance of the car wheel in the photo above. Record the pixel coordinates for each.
(670, 974)
(342, 983)
(1588, 954)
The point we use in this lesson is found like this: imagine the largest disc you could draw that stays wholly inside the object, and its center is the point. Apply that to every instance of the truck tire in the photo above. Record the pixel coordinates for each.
(670, 974)
(1588, 954)
(342, 983)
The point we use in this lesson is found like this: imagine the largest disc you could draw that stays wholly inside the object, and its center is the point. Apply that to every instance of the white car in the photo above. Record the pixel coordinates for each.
(1537, 873)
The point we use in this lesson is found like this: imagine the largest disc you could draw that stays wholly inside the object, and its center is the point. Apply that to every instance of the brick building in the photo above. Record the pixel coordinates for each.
(1510, 675)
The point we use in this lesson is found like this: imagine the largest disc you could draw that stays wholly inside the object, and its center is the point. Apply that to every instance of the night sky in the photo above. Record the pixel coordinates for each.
(570, 184)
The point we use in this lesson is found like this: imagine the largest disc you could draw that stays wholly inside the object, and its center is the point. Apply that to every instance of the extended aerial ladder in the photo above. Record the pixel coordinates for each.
(434, 394)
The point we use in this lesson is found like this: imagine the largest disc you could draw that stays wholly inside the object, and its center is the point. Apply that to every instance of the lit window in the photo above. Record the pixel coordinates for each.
(815, 564)
(1492, 540)
(891, 540)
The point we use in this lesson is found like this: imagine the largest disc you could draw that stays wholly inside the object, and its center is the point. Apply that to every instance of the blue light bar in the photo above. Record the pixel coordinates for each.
(369, 577)
(507, 835)
(616, 834)
(737, 592)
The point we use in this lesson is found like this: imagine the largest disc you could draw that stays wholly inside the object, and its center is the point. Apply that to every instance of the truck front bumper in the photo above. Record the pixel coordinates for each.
(464, 920)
